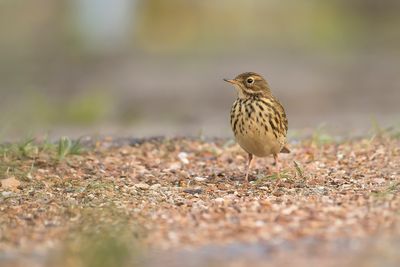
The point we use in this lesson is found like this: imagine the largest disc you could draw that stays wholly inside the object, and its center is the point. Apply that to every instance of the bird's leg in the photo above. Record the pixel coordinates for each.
(276, 163)
(249, 167)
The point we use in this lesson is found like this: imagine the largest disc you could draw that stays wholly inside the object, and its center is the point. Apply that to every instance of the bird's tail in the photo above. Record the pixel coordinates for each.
(285, 149)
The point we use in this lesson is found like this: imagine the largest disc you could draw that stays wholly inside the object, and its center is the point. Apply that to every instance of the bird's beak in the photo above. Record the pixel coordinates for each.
(233, 81)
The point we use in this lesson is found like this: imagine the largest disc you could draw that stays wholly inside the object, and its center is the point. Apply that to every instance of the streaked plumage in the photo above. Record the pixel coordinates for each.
(258, 120)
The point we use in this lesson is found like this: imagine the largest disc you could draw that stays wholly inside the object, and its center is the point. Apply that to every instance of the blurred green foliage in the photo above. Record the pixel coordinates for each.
(105, 237)
(86, 109)
(36, 108)
(98, 249)
(180, 26)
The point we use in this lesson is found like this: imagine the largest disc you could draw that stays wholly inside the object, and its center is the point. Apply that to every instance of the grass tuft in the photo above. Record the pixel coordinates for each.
(392, 189)
(19, 159)
(377, 131)
(284, 174)
(299, 169)
(67, 147)
(27, 148)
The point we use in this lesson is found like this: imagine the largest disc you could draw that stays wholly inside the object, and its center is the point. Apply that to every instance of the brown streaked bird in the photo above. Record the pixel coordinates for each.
(258, 120)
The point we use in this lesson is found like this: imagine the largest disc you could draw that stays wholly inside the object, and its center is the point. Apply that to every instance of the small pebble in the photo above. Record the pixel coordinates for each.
(174, 166)
(183, 157)
(193, 191)
(142, 186)
(219, 200)
(259, 223)
(200, 179)
(6, 193)
(155, 186)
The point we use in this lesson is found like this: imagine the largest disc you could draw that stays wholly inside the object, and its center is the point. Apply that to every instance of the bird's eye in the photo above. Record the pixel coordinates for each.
(250, 80)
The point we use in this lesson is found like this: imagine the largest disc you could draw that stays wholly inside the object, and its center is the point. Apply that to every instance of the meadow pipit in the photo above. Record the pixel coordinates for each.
(258, 120)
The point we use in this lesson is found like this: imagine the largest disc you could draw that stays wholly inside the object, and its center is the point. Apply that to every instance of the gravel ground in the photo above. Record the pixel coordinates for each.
(182, 202)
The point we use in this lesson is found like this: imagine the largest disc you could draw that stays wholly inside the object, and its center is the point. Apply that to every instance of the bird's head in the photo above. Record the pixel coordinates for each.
(250, 84)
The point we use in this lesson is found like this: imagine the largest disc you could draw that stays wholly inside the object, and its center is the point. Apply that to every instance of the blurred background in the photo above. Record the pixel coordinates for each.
(155, 67)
